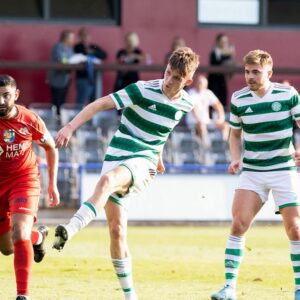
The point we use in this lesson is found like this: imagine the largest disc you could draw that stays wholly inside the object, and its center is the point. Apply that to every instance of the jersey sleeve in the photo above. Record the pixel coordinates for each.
(295, 105)
(39, 130)
(131, 95)
(234, 120)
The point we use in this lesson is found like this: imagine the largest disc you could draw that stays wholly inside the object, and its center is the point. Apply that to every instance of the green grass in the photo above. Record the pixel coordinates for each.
(173, 263)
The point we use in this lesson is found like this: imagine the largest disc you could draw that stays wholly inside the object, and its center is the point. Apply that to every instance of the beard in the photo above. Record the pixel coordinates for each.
(253, 86)
(5, 110)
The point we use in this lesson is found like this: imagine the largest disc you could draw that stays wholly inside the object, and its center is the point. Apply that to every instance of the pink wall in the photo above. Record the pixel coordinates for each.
(156, 22)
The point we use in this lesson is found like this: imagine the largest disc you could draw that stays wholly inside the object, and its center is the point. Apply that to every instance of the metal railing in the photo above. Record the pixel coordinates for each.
(106, 67)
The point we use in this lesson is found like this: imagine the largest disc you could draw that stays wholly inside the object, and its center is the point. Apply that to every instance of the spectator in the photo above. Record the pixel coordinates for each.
(86, 79)
(129, 55)
(198, 118)
(285, 82)
(177, 42)
(222, 54)
(59, 80)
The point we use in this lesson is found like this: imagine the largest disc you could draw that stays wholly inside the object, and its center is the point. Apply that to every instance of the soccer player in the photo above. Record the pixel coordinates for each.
(20, 184)
(151, 111)
(263, 113)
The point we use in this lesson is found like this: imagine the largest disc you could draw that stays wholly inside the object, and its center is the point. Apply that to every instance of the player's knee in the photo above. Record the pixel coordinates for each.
(107, 181)
(117, 231)
(20, 231)
(7, 251)
(294, 232)
(239, 227)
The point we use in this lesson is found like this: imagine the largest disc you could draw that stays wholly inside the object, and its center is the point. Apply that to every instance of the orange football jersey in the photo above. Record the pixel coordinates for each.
(17, 157)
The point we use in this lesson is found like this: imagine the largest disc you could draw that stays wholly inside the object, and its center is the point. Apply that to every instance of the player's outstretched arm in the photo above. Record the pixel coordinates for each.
(235, 150)
(52, 162)
(160, 164)
(101, 104)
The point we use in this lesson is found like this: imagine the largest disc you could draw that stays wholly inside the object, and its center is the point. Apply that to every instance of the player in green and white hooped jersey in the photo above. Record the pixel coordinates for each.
(151, 110)
(263, 114)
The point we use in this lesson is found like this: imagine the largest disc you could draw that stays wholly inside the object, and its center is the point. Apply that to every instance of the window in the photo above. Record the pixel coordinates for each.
(285, 12)
(98, 11)
(249, 12)
(21, 9)
(228, 12)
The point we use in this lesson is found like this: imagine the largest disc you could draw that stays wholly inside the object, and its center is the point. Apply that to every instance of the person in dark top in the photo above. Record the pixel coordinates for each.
(129, 55)
(86, 79)
(59, 80)
(222, 54)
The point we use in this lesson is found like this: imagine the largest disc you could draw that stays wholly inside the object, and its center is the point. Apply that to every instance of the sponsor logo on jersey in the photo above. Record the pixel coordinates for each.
(276, 106)
(9, 135)
(249, 110)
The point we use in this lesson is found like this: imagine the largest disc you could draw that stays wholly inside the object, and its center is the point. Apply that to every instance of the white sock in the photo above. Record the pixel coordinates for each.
(233, 257)
(84, 215)
(123, 270)
(40, 239)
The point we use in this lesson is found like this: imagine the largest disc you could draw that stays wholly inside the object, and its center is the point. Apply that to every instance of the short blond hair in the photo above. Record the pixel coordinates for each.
(184, 60)
(259, 57)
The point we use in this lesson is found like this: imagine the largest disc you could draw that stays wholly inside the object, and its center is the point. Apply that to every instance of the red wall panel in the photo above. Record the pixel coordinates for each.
(156, 22)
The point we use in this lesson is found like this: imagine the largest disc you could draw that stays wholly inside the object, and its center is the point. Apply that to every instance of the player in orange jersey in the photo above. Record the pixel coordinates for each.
(20, 184)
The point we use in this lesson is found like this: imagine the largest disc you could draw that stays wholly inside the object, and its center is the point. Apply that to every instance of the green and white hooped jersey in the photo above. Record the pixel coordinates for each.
(267, 125)
(147, 120)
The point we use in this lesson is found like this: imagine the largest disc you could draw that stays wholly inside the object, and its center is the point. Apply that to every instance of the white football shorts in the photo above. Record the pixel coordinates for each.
(143, 172)
(285, 186)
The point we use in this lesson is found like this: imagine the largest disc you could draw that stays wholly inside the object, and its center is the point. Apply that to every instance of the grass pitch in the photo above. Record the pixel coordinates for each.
(170, 263)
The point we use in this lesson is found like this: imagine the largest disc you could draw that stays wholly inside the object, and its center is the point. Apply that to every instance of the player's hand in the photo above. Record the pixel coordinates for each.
(296, 157)
(234, 167)
(53, 193)
(63, 136)
(160, 165)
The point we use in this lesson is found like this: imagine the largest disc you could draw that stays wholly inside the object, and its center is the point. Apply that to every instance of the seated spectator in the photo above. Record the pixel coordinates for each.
(285, 82)
(177, 42)
(86, 79)
(222, 55)
(198, 118)
(59, 80)
(129, 55)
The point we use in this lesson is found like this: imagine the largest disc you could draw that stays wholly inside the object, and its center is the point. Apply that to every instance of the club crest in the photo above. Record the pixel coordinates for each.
(9, 135)
(276, 106)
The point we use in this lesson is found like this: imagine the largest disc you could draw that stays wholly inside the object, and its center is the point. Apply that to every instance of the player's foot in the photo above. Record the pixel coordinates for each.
(226, 293)
(22, 298)
(297, 295)
(131, 296)
(61, 236)
(40, 249)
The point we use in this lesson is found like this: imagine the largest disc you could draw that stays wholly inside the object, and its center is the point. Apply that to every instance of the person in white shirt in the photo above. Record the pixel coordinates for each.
(204, 98)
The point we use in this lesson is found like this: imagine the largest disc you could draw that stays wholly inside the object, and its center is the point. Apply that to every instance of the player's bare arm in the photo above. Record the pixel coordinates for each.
(101, 104)
(52, 163)
(235, 150)
(218, 107)
(160, 164)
